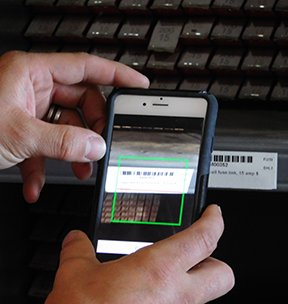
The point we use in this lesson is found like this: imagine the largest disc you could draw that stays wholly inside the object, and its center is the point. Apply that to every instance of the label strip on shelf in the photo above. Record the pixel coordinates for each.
(243, 170)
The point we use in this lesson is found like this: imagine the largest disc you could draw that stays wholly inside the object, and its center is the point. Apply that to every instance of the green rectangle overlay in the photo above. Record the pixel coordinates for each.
(158, 159)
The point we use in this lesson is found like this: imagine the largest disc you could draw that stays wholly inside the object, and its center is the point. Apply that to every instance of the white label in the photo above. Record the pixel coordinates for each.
(243, 170)
(119, 247)
(148, 180)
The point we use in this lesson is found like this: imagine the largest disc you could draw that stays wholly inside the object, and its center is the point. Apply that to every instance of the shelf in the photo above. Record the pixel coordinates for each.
(241, 130)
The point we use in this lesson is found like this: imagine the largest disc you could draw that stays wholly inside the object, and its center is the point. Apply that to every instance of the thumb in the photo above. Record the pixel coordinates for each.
(70, 143)
(76, 245)
(25, 137)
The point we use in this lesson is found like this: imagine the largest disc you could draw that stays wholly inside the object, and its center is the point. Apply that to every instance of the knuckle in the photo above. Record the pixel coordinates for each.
(11, 57)
(207, 241)
(207, 236)
(13, 63)
(66, 144)
(158, 270)
(161, 274)
(84, 55)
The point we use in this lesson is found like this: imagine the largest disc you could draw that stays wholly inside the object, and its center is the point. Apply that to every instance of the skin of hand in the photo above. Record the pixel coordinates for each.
(179, 269)
(29, 83)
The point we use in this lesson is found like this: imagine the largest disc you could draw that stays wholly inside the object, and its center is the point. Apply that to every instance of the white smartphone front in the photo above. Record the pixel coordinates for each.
(149, 185)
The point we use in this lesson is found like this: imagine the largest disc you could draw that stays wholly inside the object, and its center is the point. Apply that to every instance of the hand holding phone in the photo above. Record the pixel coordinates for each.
(153, 179)
(179, 269)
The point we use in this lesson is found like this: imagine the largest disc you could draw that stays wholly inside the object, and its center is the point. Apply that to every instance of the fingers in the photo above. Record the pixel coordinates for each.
(33, 169)
(70, 143)
(76, 245)
(73, 68)
(184, 261)
(44, 71)
(89, 99)
(33, 175)
(82, 171)
(72, 117)
(76, 270)
(212, 278)
(69, 117)
(186, 249)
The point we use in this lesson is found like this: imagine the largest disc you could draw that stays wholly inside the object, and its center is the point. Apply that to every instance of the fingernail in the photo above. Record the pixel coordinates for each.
(219, 209)
(95, 148)
(146, 81)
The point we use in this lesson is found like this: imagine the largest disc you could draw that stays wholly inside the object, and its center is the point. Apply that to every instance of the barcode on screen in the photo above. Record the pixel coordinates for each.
(148, 173)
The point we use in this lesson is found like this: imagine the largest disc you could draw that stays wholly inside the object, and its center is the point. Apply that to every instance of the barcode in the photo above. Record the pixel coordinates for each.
(147, 173)
(232, 158)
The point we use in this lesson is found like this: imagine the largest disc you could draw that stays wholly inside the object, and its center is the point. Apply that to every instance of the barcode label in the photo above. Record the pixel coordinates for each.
(147, 173)
(232, 158)
(243, 170)
(149, 180)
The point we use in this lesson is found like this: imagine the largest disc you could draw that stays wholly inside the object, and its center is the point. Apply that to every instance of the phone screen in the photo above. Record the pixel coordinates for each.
(150, 181)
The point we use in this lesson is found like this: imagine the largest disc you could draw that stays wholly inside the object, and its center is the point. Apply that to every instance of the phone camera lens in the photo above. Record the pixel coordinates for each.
(144, 104)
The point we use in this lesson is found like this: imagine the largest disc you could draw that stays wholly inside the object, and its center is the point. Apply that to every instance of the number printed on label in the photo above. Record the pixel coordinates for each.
(243, 170)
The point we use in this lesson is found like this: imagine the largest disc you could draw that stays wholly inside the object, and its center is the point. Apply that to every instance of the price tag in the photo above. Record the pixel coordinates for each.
(243, 170)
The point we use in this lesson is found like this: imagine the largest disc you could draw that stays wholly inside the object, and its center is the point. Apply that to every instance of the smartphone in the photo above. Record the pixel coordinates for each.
(153, 180)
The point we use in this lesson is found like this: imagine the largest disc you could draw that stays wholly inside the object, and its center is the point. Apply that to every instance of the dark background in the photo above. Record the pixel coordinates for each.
(236, 50)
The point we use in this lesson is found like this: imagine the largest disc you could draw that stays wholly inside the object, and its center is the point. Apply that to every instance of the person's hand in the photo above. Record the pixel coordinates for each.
(179, 269)
(29, 84)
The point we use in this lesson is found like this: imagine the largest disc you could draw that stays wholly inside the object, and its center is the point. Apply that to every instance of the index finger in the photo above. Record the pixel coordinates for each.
(76, 245)
(189, 247)
(73, 68)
